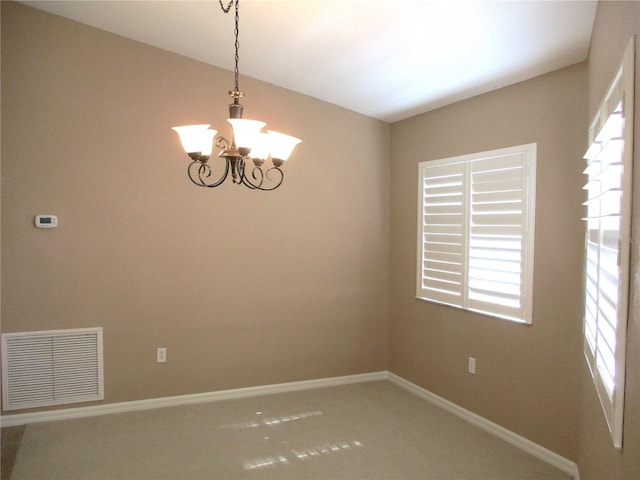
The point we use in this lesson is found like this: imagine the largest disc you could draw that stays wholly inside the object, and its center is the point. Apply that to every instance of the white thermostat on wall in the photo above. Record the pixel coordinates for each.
(46, 221)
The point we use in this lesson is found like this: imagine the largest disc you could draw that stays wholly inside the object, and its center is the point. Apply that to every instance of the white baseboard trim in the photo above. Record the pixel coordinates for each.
(122, 407)
(508, 436)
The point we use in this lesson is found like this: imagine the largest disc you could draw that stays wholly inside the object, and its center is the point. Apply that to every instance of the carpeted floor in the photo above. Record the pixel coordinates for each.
(11, 438)
(372, 430)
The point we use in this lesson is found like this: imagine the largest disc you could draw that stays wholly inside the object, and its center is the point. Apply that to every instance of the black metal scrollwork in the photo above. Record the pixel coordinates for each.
(200, 173)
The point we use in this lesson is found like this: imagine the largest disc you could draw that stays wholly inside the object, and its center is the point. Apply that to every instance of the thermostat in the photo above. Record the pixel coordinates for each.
(46, 221)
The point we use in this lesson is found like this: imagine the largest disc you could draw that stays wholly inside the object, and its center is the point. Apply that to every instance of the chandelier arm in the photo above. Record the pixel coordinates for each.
(222, 142)
(204, 171)
(264, 175)
(248, 184)
(280, 173)
(259, 178)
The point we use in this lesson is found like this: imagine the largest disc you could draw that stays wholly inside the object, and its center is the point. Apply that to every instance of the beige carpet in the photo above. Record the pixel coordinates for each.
(371, 430)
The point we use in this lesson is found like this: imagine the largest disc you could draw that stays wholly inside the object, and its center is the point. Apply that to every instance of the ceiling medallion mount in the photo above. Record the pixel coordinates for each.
(248, 143)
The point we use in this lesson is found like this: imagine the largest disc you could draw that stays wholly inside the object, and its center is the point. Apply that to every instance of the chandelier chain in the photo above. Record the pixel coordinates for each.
(227, 8)
(236, 31)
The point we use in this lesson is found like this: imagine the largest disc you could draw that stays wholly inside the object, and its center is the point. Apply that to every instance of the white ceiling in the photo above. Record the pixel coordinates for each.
(388, 59)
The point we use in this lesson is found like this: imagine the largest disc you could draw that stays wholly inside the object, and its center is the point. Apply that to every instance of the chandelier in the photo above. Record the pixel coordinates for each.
(248, 143)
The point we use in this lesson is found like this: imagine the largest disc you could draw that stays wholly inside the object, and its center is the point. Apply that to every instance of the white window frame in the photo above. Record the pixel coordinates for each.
(608, 243)
(476, 222)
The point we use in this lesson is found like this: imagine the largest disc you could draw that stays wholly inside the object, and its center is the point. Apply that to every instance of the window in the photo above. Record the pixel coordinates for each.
(475, 228)
(607, 240)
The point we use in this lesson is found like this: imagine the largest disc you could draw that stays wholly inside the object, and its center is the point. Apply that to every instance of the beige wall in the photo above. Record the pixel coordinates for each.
(526, 377)
(616, 23)
(243, 288)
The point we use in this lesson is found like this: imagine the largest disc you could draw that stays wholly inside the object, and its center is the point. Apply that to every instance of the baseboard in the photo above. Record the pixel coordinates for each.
(514, 439)
(122, 407)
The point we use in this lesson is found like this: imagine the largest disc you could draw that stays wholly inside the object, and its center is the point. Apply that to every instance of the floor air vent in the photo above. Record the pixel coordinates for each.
(41, 369)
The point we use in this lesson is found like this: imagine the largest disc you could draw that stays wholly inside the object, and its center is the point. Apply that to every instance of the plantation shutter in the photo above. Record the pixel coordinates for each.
(443, 233)
(476, 231)
(608, 232)
(498, 234)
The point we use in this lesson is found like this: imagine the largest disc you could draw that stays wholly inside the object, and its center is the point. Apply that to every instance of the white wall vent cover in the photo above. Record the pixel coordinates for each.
(55, 367)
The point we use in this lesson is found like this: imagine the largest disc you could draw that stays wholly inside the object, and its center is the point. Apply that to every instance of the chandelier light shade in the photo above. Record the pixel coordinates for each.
(197, 140)
(248, 143)
(245, 132)
(260, 149)
(281, 145)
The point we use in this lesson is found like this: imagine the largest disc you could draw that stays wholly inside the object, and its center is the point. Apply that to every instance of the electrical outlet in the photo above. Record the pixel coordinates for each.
(472, 365)
(161, 355)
